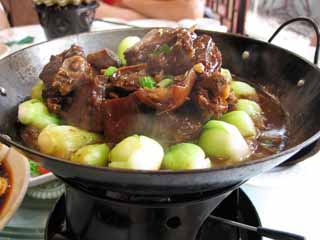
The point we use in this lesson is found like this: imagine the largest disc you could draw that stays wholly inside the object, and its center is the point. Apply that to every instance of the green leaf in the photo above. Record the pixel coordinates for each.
(164, 48)
(109, 71)
(26, 40)
(147, 82)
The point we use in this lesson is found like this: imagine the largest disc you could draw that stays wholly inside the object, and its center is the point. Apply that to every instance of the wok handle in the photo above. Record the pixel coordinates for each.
(302, 19)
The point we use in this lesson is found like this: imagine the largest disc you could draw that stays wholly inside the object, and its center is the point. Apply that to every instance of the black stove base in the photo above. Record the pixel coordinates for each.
(236, 206)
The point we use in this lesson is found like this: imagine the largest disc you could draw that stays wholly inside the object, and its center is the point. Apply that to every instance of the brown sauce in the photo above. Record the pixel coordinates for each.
(4, 173)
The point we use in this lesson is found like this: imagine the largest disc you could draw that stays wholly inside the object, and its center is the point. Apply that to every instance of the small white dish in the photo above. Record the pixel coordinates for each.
(51, 190)
(42, 179)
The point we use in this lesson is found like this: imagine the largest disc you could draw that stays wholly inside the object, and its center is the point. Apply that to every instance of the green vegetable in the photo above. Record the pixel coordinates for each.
(95, 155)
(242, 89)
(110, 71)
(137, 152)
(250, 107)
(34, 169)
(37, 90)
(33, 112)
(125, 44)
(226, 74)
(25, 40)
(165, 83)
(223, 141)
(62, 141)
(147, 82)
(164, 48)
(242, 121)
(185, 156)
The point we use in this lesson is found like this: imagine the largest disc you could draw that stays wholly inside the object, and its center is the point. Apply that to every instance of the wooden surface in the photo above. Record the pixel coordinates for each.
(20, 12)
(232, 13)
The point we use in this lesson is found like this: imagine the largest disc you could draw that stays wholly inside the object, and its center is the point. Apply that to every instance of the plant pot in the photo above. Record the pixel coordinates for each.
(62, 21)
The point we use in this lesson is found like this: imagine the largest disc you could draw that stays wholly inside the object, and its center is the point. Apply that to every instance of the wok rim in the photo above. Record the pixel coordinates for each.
(76, 37)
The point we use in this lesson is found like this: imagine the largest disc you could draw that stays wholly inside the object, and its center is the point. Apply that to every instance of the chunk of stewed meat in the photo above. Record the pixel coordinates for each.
(103, 59)
(170, 98)
(127, 77)
(168, 50)
(211, 95)
(178, 126)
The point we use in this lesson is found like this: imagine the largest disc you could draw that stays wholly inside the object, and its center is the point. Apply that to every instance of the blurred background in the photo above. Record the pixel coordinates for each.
(256, 18)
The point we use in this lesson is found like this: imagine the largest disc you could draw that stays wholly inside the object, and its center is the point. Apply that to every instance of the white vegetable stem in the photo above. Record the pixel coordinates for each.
(137, 152)
(222, 140)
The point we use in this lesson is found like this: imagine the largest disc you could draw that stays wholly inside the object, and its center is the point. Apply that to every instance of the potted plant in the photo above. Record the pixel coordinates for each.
(65, 17)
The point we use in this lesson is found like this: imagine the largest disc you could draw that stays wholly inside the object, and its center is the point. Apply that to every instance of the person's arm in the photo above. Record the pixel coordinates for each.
(3, 18)
(106, 10)
(168, 9)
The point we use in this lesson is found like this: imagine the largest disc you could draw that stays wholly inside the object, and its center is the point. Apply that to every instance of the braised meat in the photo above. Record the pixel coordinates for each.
(124, 117)
(120, 104)
(175, 127)
(103, 59)
(82, 111)
(175, 51)
(207, 53)
(165, 50)
(69, 90)
(151, 41)
(170, 98)
(211, 95)
(127, 77)
(63, 75)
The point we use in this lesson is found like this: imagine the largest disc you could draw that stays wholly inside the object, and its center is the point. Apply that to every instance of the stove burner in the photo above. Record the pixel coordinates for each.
(236, 207)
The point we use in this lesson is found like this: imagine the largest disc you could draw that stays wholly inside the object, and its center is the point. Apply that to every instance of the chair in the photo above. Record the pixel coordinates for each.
(232, 13)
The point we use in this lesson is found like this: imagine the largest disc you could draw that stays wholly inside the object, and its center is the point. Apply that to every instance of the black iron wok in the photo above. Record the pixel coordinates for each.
(294, 80)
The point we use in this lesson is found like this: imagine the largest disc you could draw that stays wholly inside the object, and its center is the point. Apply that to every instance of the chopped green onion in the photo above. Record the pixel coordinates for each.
(164, 48)
(110, 71)
(165, 82)
(147, 82)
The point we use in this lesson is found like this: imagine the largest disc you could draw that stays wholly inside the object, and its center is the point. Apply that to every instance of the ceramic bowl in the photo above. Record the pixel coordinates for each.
(18, 167)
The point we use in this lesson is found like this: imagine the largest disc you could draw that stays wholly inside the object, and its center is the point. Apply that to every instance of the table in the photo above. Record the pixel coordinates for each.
(286, 199)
